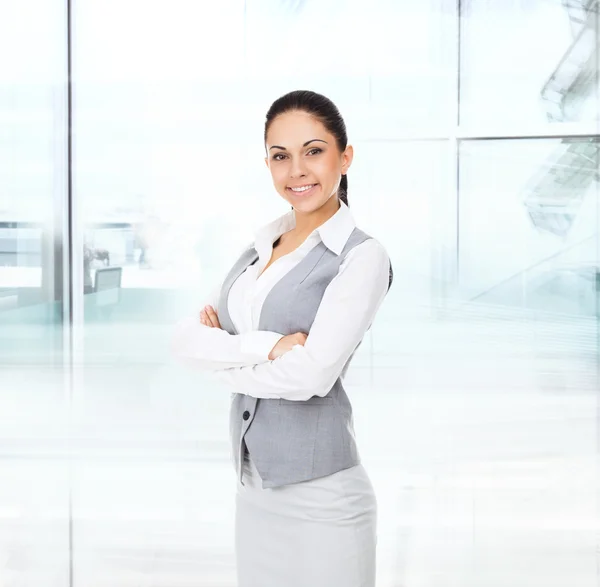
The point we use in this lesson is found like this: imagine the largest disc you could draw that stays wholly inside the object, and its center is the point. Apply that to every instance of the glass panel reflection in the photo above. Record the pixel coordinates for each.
(544, 71)
(529, 224)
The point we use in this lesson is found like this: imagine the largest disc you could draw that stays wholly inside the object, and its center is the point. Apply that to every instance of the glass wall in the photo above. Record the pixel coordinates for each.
(476, 166)
(34, 295)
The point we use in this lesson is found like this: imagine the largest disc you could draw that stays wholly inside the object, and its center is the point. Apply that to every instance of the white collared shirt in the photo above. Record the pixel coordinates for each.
(347, 310)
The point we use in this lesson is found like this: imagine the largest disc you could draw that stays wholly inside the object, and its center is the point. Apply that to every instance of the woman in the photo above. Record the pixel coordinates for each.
(282, 329)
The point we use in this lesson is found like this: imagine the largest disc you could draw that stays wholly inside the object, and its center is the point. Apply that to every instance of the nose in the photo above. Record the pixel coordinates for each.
(297, 168)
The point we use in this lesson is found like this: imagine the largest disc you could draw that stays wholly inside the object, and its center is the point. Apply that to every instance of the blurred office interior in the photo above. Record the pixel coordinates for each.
(132, 175)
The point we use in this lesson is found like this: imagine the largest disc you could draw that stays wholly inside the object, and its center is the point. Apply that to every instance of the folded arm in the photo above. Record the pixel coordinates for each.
(211, 349)
(346, 312)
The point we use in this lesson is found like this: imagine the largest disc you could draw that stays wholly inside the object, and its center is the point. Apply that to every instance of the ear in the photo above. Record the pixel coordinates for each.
(347, 157)
(267, 161)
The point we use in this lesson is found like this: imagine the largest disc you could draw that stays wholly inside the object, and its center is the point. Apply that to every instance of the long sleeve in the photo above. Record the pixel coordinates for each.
(211, 349)
(346, 312)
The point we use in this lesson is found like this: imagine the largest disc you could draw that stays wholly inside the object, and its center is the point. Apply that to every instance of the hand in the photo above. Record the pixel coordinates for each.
(286, 343)
(209, 317)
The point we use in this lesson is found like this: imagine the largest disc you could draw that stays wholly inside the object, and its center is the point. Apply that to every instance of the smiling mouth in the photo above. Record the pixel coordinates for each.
(303, 190)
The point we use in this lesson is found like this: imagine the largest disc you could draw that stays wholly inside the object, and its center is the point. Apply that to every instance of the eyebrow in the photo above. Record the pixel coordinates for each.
(304, 145)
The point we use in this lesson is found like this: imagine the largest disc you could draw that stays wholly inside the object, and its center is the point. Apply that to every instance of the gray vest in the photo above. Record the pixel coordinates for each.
(293, 441)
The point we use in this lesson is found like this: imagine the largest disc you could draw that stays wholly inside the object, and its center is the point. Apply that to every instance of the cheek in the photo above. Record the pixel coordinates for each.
(279, 175)
(329, 168)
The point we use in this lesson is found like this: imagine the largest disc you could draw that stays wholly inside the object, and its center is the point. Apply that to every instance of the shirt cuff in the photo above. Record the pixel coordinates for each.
(259, 343)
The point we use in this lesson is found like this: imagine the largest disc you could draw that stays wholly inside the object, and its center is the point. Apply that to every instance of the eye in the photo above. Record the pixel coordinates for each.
(315, 151)
(278, 157)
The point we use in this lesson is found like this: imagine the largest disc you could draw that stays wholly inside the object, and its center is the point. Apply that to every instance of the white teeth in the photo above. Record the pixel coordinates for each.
(302, 189)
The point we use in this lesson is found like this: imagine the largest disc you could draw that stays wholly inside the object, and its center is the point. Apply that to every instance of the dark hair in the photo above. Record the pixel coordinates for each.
(321, 108)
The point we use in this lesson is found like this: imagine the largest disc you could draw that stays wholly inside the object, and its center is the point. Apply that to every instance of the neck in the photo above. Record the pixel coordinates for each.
(306, 222)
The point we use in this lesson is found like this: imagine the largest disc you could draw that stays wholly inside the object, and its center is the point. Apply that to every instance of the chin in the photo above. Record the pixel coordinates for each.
(307, 206)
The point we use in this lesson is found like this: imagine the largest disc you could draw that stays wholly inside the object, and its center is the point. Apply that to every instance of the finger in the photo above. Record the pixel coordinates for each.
(204, 319)
(212, 316)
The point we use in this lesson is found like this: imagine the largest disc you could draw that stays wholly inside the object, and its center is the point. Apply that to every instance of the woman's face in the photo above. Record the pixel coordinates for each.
(304, 159)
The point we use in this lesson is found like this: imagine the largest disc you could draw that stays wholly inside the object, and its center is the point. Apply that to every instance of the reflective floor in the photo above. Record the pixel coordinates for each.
(483, 454)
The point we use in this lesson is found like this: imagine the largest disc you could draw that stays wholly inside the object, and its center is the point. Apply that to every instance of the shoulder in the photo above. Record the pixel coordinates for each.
(369, 257)
(241, 257)
(370, 260)
(369, 249)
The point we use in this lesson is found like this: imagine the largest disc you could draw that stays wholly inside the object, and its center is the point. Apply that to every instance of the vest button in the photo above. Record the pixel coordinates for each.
(246, 415)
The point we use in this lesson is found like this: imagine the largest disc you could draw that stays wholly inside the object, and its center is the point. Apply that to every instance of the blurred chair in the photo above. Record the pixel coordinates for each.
(107, 289)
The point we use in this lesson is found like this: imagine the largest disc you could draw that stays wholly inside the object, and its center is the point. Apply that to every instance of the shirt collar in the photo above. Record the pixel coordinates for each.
(334, 233)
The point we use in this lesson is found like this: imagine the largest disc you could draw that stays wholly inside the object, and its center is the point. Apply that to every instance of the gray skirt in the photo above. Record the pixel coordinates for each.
(319, 533)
